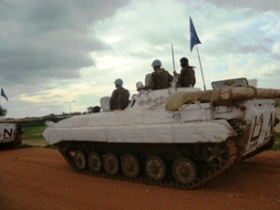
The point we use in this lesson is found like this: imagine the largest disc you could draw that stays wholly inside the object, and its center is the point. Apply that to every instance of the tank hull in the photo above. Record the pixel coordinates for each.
(119, 127)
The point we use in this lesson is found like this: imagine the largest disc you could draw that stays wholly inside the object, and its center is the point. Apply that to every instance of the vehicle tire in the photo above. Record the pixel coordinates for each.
(94, 162)
(155, 168)
(111, 164)
(80, 160)
(184, 170)
(130, 166)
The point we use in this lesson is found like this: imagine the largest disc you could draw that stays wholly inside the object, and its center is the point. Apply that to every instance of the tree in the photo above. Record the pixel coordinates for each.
(3, 111)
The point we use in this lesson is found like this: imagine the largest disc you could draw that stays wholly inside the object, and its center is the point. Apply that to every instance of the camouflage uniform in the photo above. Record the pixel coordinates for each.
(160, 79)
(187, 77)
(119, 99)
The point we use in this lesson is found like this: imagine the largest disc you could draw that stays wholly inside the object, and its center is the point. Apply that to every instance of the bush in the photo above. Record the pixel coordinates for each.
(3, 111)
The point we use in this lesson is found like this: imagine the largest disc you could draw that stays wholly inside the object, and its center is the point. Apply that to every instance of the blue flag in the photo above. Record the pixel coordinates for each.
(3, 94)
(194, 38)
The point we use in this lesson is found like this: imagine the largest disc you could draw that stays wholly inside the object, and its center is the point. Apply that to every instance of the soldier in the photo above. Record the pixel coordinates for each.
(187, 75)
(160, 78)
(120, 96)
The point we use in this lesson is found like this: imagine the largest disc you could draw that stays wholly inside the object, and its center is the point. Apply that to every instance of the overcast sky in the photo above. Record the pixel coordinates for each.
(57, 50)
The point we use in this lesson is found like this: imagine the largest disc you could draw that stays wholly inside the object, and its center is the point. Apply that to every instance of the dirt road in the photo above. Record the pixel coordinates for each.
(38, 178)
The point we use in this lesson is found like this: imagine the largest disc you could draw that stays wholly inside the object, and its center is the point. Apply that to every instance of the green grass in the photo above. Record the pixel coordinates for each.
(25, 146)
(33, 132)
(276, 146)
(50, 146)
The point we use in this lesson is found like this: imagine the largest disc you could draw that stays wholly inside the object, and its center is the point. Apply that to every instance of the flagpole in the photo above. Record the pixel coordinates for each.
(174, 70)
(200, 68)
(194, 41)
(173, 61)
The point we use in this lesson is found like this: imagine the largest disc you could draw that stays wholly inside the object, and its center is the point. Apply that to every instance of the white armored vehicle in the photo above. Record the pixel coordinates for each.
(10, 134)
(176, 137)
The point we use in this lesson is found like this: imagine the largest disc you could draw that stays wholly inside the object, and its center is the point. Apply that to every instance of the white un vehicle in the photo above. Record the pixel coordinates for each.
(176, 137)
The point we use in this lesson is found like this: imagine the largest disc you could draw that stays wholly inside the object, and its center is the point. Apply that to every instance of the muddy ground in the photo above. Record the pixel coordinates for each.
(39, 178)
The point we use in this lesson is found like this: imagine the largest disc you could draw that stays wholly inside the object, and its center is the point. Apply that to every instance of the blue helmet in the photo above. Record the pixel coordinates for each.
(118, 82)
(156, 63)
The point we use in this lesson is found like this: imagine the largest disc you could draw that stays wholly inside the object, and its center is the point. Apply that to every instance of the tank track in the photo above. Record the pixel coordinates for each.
(207, 174)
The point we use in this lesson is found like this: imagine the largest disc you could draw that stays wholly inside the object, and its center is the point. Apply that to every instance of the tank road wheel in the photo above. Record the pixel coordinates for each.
(94, 162)
(80, 160)
(215, 154)
(130, 166)
(184, 170)
(155, 168)
(111, 164)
